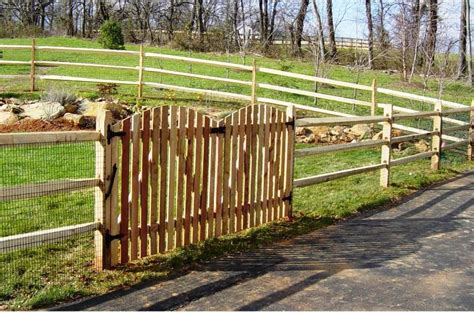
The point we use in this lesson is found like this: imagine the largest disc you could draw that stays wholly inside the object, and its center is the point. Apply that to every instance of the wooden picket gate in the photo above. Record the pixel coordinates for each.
(184, 177)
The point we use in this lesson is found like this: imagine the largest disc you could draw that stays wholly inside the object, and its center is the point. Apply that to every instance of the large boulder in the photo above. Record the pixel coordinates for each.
(8, 118)
(422, 146)
(43, 110)
(361, 130)
(75, 119)
(92, 109)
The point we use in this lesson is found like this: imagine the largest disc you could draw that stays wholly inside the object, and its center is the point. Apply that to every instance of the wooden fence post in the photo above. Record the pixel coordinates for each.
(436, 139)
(140, 72)
(32, 67)
(290, 162)
(254, 82)
(102, 209)
(470, 150)
(387, 146)
(373, 107)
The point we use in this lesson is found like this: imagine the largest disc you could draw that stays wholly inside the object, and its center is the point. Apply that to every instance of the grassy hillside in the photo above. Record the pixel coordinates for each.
(453, 91)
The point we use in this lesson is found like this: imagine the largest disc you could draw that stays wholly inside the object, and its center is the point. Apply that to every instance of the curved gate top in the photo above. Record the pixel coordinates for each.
(185, 177)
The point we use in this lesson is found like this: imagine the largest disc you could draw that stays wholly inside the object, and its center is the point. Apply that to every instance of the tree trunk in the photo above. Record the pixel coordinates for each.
(370, 26)
(431, 32)
(469, 42)
(298, 30)
(462, 69)
(332, 32)
(320, 31)
(417, 13)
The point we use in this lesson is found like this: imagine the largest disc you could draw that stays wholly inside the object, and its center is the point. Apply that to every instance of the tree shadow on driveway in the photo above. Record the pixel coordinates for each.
(253, 280)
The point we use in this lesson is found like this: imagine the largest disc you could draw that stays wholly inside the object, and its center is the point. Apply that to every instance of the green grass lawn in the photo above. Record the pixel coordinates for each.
(43, 276)
(453, 91)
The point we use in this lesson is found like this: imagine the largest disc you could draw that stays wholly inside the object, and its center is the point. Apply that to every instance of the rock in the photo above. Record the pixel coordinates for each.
(76, 119)
(303, 132)
(422, 146)
(89, 108)
(397, 133)
(360, 130)
(71, 108)
(8, 118)
(309, 139)
(11, 108)
(320, 131)
(378, 136)
(43, 110)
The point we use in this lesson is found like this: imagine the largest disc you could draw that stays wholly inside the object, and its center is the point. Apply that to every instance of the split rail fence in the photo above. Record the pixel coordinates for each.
(254, 83)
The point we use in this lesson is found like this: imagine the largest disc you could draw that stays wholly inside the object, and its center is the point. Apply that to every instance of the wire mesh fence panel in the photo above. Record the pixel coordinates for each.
(46, 215)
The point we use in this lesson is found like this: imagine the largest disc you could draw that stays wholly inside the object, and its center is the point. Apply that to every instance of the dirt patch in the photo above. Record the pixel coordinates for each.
(30, 125)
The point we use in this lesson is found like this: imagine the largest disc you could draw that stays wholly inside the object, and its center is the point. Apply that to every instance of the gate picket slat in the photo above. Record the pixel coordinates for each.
(290, 138)
(219, 181)
(172, 178)
(259, 155)
(197, 176)
(271, 170)
(205, 179)
(124, 193)
(144, 183)
(134, 216)
(212, 182)
(154, 165)
(180, 199)
(248, 130)
(281, 184)
(189, 177)
(233, 174)
(266, 161)
(276, 171)
(241, 169)
(226, 175)
(163, 177)
(253, 165)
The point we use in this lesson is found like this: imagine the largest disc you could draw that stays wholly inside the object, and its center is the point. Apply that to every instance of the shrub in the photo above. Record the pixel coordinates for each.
(111, 36)
(61, 96)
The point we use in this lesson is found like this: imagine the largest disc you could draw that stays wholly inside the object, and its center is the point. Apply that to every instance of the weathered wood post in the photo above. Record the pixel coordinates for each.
(436, 138)
(254, 82)
(32, 66)
(290, 162)
(373, 106)
(140, 72)
(106, 194)
(470, 149)
(387, 146)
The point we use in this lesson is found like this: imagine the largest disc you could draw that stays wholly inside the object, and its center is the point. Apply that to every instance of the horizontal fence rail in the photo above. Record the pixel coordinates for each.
(386, 143)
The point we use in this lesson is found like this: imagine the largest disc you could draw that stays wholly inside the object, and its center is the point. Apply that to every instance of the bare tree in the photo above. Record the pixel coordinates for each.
(297, 29)
(370, 27)
(462, 68)
(320, 32)
(431, 32)
(332, 32)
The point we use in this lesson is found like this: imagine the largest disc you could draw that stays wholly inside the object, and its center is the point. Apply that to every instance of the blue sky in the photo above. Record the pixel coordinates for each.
(351, 15)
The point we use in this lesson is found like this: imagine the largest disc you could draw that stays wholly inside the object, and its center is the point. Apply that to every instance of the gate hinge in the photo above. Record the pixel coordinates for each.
(290, 123)
(112, 179)
(288, 198)
(219, 130)
(111, 134)
(109, 238)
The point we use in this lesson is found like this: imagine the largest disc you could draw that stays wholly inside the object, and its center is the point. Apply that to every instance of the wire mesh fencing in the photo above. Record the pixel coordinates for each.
(46, 215)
